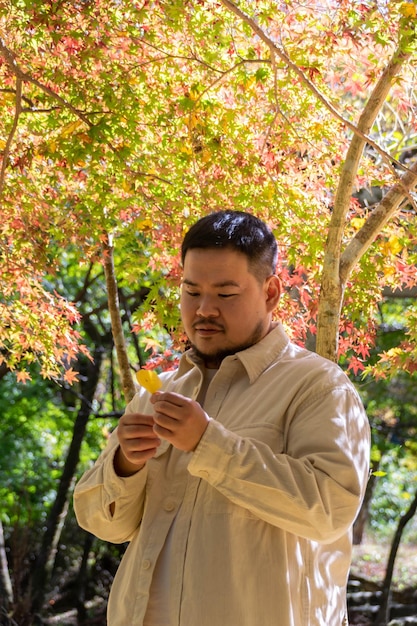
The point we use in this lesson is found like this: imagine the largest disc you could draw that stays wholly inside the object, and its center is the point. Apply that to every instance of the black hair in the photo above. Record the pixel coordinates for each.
(239, 231)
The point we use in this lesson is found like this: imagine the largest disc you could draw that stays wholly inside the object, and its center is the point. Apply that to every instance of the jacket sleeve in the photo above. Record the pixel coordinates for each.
(99, 488)
(314, 486)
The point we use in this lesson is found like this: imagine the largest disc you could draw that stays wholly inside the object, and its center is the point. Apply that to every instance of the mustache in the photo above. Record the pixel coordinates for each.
(206, 321)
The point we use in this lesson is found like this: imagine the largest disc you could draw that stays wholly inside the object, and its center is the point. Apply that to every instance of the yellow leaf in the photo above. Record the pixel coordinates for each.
(357, 222)
(7, 98)
(393, 352)
(394, 245)
(205, 155)
(408, 9)
(249, 82)
(71, 128)
(389, 270)
(391, 247)
(194, 93)
(145, 224)
(149, 380)
(193, 120)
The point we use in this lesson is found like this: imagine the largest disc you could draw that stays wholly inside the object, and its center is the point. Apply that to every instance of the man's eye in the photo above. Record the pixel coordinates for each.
(226, 295)
(193, 294)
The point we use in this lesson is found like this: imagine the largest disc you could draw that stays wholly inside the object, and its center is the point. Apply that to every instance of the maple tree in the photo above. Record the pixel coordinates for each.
(132, 119)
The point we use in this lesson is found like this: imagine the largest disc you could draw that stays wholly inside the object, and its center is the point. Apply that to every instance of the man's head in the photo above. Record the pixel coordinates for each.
(229, 288)
(238, 231)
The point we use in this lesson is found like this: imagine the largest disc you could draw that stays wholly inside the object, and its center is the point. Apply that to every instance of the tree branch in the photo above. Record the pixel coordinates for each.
(21, 77)
(276, 50)
(10, 58)
(167, 55)
(229, 71)
(376, 221)
(334, 275)
(6, 153)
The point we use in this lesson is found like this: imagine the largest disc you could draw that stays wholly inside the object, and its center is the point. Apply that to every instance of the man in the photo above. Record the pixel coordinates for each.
(236, 485)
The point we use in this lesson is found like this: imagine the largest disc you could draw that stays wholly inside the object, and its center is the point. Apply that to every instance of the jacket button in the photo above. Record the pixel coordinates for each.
(146, 564)
(169, 505)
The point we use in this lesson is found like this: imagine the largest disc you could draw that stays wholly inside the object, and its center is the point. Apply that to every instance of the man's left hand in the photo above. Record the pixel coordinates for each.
(179, 420)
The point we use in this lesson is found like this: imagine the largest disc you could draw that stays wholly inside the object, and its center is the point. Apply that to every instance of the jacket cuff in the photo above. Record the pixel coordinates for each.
(211, 455)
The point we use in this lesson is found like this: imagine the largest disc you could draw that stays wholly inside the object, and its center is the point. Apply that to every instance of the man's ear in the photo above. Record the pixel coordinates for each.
(273, 291)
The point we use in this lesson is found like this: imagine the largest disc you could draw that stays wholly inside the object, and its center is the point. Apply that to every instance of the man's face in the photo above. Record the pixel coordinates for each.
(224, 308)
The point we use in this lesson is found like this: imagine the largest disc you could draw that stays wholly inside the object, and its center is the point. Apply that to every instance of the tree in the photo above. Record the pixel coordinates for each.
(382, 618)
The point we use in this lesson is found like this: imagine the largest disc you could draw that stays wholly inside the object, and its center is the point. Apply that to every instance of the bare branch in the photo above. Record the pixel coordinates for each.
(168, 55)
(6, 153)
(153, 176)
(379, 216)
(24, 98)
(229, 71)
(10, 58)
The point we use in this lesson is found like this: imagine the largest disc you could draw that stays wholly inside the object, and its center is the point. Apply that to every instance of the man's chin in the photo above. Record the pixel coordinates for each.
(214, 359)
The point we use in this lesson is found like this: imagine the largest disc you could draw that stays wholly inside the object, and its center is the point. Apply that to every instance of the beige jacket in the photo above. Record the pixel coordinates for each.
(263, 508)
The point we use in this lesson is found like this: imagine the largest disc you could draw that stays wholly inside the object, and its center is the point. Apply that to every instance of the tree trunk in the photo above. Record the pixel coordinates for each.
(82, 578)
(360, 522)
(90, 374)
(333, 279)
(384, 609)
(3, 370)
(6, 590)
(116, 322)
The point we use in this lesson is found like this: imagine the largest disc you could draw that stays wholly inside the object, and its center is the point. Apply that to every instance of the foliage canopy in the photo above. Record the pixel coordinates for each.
(130, 119)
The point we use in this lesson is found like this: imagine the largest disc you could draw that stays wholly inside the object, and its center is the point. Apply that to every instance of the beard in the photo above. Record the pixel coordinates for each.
(215, 358)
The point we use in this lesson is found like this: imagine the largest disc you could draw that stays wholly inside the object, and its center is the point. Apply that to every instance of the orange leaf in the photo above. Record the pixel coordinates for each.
(23, 377)
(71, 376)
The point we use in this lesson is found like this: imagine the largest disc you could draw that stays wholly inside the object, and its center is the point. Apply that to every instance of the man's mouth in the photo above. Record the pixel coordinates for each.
(207, 329)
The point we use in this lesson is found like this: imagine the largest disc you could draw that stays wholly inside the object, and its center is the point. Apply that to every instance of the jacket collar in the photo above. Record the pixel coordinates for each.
(255, 359)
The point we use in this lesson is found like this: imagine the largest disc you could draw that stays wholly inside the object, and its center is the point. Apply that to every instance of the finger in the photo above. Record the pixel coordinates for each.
(140, 450)
(141, 445)
(170, 397)
(135, 432)
(162, 432)
(135, 425)
(164, 422)
(136, 418)
(139, 457)
(170, 410)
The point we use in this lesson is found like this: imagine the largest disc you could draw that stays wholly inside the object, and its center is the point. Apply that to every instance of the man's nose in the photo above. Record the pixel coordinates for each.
(207, 307)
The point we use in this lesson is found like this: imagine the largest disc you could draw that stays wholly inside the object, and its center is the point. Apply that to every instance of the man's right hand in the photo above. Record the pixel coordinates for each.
(137, 443)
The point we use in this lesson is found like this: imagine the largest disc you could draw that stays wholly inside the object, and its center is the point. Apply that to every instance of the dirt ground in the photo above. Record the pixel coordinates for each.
(370, 559)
